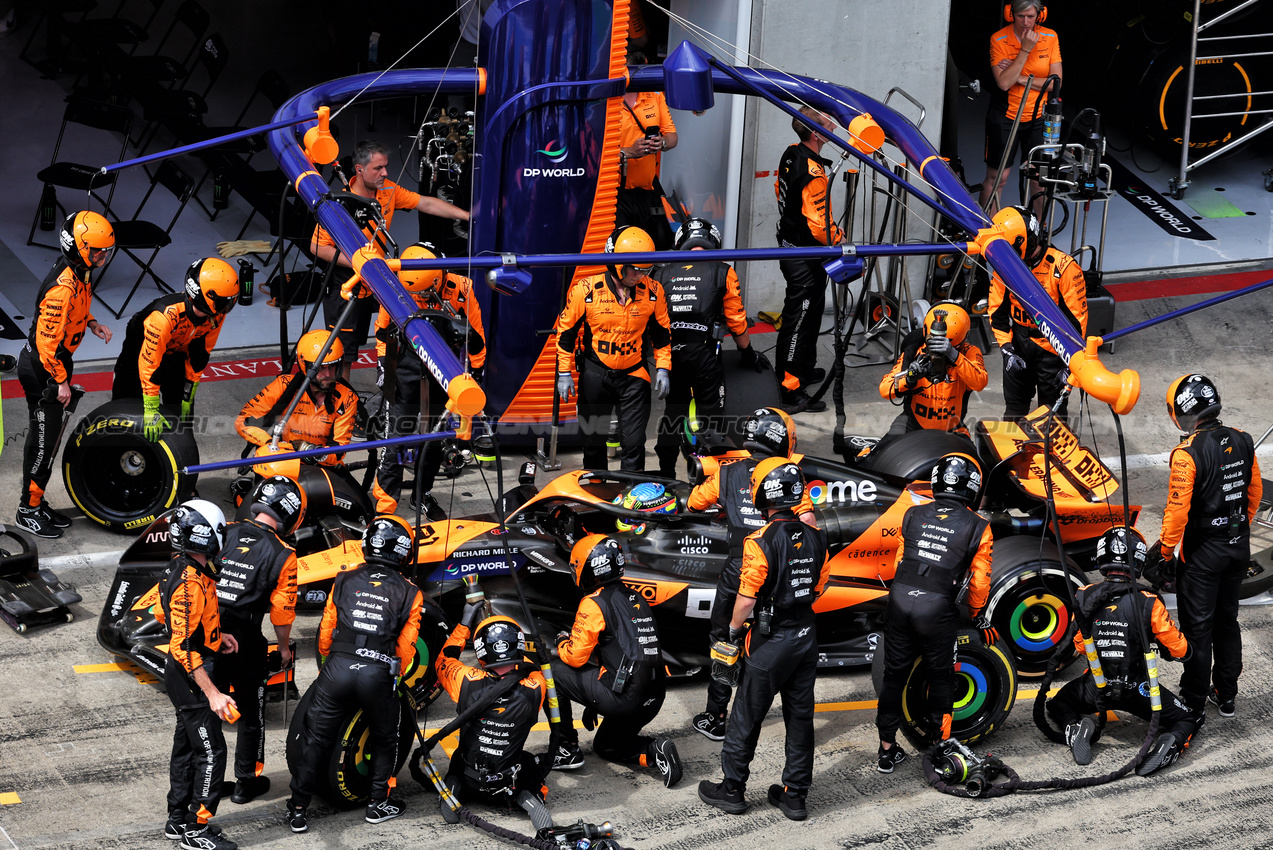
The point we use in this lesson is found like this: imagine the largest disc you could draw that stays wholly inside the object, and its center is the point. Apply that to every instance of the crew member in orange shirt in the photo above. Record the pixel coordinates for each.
(935, 374)
(325, 414)
(62, 314)
(611, 317)
(169, 341)
(645, 132)
(370, 180)
(1021, 49)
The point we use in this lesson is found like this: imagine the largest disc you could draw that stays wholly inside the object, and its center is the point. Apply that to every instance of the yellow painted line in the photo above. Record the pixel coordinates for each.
(103, 668)
(857, 705)
(8, 798)
(449, 743)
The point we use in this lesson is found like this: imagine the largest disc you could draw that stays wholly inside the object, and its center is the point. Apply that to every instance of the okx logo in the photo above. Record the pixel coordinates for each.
(555, 151)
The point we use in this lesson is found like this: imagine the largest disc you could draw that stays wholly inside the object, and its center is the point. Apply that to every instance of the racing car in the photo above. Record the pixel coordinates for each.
(676, 557)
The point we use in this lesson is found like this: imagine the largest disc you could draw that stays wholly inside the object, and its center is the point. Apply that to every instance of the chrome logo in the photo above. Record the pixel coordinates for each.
(554, 155)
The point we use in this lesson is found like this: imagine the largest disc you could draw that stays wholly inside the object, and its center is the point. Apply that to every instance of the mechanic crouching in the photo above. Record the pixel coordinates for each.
(507, 693)
(612, 665)
(1116, 615)
(944, 544)
(367, 635)
(256, 573)
(784, 571)
(188, 607)
(768, 432)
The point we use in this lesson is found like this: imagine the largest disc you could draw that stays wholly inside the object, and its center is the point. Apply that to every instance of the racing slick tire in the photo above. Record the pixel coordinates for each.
(1028, 602)
(1259, 575)
(912, 456)
(120, 479)
(985, 689)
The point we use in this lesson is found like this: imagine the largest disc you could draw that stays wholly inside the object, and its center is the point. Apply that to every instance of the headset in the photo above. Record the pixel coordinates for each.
(1043, 13)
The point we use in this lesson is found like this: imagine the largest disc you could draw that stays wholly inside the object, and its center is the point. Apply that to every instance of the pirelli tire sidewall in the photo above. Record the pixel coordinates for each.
(345, 776)
(120, 479)
(984, 689)
(1028, 603)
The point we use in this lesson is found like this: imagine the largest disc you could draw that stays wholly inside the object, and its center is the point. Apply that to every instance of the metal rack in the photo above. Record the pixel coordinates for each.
(1177, 185)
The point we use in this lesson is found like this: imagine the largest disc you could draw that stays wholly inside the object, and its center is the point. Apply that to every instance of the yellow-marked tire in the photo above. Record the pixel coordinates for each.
(116, 476)
(1028, 602)
(984, 689)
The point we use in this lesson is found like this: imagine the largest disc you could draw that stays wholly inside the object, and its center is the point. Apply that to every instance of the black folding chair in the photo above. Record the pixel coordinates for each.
(275, 90)
(137, 235)
(51, 14)
(95, 35)
(74, 175)
(156, 69)
(181, 109)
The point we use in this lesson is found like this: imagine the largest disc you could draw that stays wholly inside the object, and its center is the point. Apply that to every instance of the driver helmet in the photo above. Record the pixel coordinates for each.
(647, 497)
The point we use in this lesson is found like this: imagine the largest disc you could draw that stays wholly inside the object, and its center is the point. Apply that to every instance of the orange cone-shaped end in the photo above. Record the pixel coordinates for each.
(1120, 391)
(866, 135)
(467, 398)
(320, 145)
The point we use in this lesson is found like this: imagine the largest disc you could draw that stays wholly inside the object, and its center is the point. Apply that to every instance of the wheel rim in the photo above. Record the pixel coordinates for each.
(970, 690)
(128, 481)
(975, 691)
(1038, 622)
(1032, 616)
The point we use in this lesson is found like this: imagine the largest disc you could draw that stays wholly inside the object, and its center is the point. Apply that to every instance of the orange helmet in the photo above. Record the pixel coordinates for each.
(421, 281)
(629, 240)
(212, 286)
(311, 345)
(956, 318)
(597, 559)
(84, 233)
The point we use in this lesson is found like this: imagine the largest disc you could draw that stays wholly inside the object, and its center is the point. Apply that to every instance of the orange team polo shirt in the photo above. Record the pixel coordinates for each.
(391, 197)
(1047, 52)
(651, 110)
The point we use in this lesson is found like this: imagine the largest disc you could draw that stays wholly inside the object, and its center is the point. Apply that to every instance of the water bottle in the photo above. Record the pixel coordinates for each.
(247, 277)
(48, 207)
(1052, 127)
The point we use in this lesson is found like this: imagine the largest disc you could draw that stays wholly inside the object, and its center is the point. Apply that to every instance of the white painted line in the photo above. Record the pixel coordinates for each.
(81, 561)
(1264, 453)
(7, 838)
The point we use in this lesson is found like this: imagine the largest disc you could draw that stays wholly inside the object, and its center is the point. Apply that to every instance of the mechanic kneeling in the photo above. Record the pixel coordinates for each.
(784, 571)
(367, 635)
(257, 573)
(188, 607)
(323, 416)
(612, 665)
(768, 432)
(944, 543)
(1115, 615)
(491, 762)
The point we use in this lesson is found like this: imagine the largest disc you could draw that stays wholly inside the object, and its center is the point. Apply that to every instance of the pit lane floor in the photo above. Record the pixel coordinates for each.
(84, 747)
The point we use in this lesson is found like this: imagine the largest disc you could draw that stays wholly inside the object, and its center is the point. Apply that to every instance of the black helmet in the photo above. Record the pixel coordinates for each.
(1121, 551)
(697, 233)
(958, 476)
(282, 500)
(498, 639)
(197, 527)
(769, 432)
(1191, 399)
(389, 541)
(776, 483)
(1034, 245)
(597, 559)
